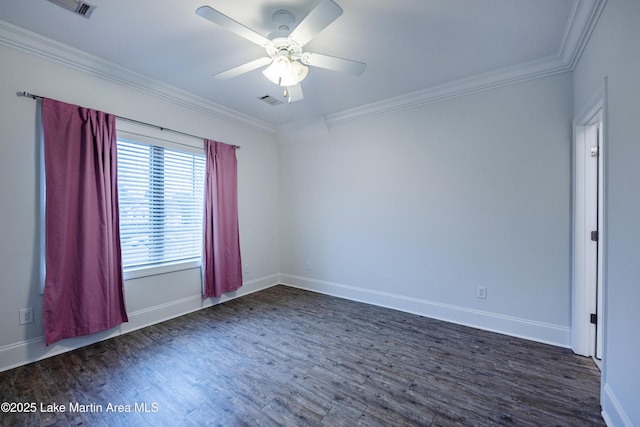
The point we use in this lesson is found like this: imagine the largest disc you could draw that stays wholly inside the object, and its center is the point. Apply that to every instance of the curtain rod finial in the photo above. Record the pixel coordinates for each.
(27, 95)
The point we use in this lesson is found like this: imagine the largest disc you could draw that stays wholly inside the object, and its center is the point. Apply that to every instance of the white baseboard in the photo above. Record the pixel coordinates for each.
(523, 328)
(612, 412)
(24, 352)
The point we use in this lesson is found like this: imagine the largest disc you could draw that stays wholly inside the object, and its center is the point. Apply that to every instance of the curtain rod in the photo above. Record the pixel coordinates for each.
(33, 96)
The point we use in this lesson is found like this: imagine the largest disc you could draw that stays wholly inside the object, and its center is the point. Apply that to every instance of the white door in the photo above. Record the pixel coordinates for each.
(600, 248)
(593, 228)
(588, 269)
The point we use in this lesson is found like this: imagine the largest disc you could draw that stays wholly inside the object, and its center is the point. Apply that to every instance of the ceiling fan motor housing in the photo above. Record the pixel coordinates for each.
(284, 46)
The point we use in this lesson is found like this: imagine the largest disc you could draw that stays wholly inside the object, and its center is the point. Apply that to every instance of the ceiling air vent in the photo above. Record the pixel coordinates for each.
(79, 7)
(270, 100)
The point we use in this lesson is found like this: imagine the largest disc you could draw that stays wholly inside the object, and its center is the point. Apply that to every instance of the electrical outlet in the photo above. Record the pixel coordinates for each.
(307, 266)
(26, 316)
(481, 292)
(246, 268)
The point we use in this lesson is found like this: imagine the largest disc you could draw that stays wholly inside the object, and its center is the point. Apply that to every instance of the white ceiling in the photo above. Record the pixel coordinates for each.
(410, 46)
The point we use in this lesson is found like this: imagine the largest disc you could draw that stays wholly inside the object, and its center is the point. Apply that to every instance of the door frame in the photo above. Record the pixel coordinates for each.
(582, 331)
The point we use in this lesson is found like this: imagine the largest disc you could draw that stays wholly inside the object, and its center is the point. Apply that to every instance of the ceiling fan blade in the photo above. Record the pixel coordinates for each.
(295, 93)
(245, 68)
(333, 63)
(317, 20)
(229, 24)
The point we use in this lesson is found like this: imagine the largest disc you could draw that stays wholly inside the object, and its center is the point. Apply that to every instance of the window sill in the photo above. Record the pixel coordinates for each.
(136, 273)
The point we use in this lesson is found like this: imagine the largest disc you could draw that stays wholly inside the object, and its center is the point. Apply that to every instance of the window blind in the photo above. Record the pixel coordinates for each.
(161, 200)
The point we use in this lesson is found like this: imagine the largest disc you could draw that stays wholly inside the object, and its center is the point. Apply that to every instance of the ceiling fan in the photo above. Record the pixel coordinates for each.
(286, 60)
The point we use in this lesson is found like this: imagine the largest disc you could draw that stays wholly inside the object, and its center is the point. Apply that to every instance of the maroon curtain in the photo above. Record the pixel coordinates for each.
(84, 287)
(221, 255)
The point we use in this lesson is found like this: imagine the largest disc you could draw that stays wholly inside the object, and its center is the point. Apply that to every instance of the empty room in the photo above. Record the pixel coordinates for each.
(320, 212)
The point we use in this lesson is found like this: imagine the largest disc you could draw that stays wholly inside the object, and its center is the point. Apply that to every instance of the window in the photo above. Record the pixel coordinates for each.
(161, 194)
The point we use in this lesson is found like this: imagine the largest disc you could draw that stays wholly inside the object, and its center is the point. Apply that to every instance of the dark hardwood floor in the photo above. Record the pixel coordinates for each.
(289, 357)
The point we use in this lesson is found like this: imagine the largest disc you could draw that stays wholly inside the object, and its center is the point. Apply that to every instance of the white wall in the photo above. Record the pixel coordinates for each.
(414, 209)
(148, 299)
(614, 51)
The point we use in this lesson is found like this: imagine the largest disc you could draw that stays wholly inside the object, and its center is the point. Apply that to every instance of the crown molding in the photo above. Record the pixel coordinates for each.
(531, 71)
(582, 21)
(35, 44)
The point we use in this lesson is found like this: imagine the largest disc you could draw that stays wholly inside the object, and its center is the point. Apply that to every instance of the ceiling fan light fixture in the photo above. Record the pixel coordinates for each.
(285, 72)
(300, 71)
(278, 68)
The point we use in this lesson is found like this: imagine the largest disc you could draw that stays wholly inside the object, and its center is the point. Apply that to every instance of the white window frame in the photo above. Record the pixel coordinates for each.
(137, 132)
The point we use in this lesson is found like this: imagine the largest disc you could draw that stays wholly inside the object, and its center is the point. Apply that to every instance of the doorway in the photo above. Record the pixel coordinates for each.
(588, 277)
